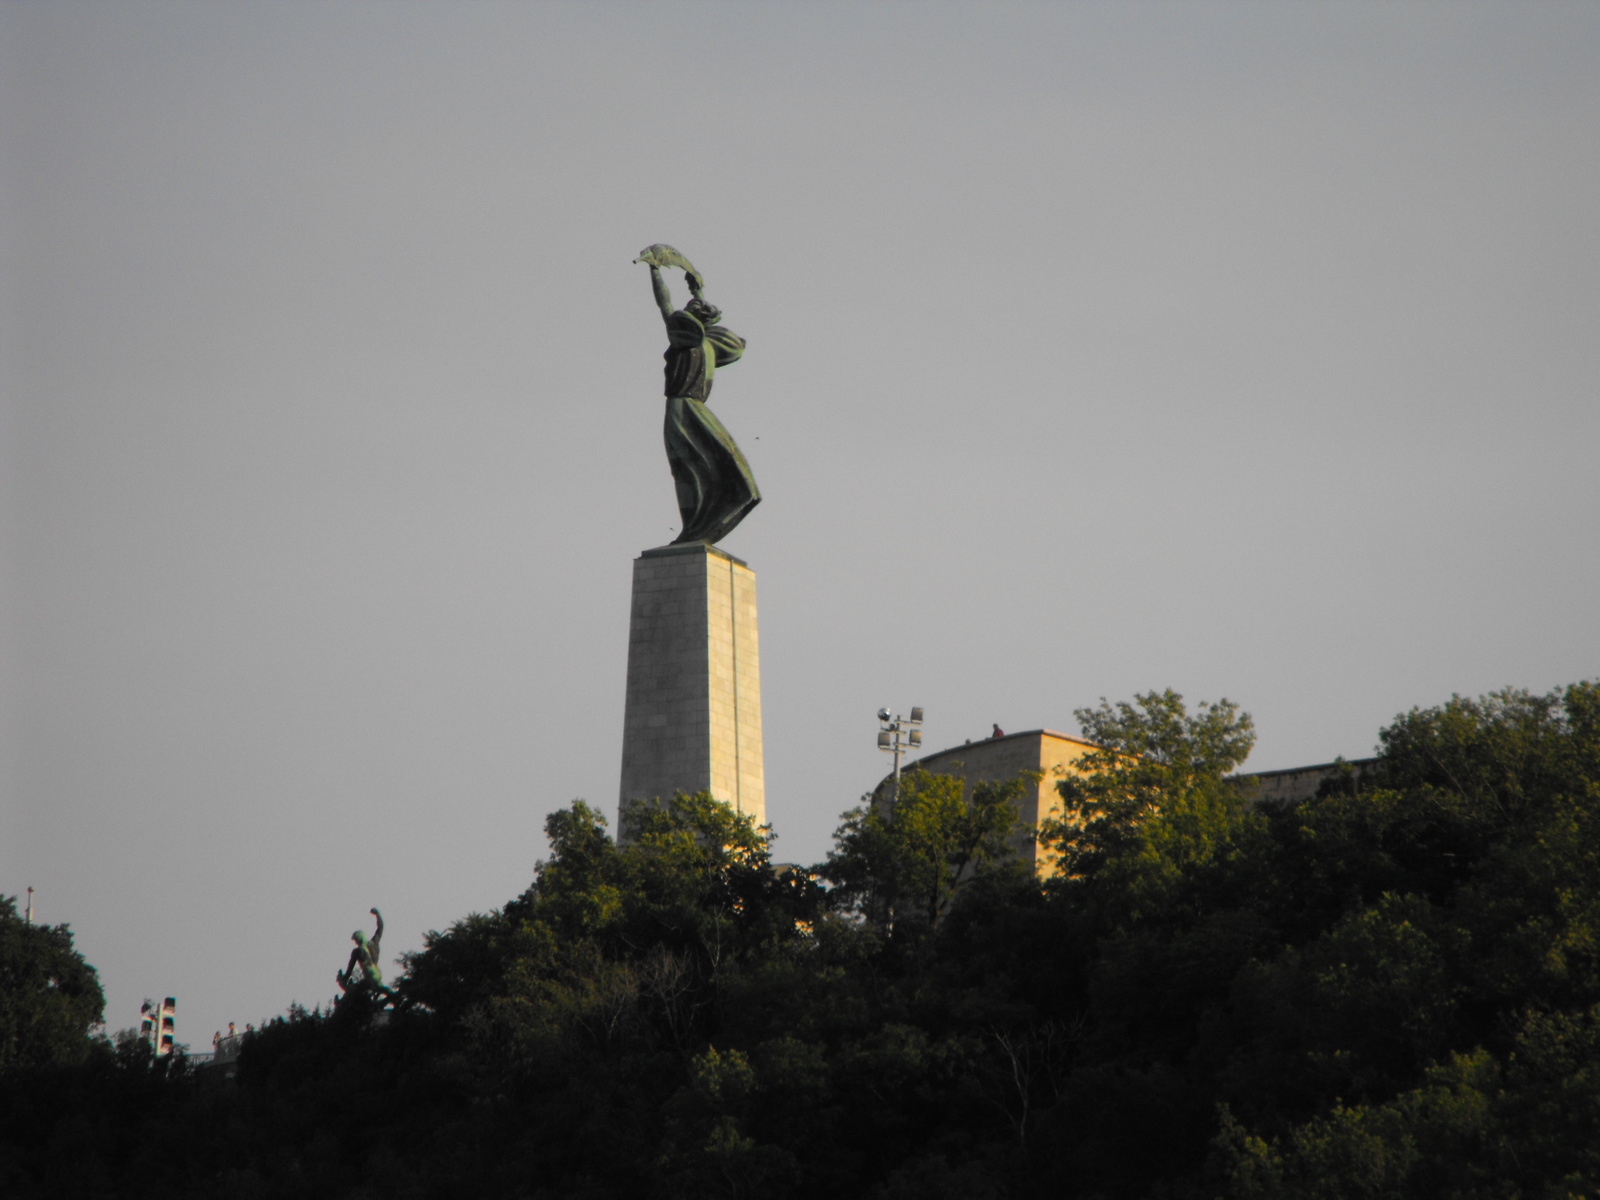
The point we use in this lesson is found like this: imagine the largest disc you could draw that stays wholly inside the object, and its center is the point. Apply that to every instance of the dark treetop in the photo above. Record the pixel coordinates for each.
(1387, 990)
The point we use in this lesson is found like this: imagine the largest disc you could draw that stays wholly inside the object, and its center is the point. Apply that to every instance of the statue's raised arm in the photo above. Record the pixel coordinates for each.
(714, 484)
(662, 255)
(365, 968)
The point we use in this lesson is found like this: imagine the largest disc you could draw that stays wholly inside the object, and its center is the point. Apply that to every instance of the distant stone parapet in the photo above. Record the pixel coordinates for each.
(1293, 784)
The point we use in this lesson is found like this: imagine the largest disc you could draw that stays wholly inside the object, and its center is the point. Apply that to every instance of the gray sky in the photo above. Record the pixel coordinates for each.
(1247, 350)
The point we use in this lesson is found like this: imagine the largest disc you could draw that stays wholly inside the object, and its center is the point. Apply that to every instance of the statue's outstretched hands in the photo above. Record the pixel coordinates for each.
(663, 255)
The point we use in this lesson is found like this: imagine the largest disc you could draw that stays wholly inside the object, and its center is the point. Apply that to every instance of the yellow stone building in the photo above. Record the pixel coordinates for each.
(998, 759)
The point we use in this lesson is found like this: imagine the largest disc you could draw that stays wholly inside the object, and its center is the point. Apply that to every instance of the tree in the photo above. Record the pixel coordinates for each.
(1152, 758)
(1421, 912)
(1390, 989)
(1475, 1127)
(49, 997)
(910, 859)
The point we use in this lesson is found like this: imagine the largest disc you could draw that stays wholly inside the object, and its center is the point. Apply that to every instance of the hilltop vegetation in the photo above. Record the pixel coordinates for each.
(1392, 989)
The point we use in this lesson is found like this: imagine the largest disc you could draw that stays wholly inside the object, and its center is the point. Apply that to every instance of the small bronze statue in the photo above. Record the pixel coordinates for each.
(366, 957)
(714, 484)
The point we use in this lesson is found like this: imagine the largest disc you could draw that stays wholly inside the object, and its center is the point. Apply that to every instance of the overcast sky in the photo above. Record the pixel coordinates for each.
(1249, 350)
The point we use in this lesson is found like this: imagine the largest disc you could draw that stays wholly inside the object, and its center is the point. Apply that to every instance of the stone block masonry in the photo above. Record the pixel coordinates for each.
(692, 720)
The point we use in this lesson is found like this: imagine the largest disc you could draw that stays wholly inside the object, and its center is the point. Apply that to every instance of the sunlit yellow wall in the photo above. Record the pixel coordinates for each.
(1003, 758)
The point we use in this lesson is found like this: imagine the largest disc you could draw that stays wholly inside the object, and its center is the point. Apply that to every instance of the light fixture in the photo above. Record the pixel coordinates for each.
(896, 735)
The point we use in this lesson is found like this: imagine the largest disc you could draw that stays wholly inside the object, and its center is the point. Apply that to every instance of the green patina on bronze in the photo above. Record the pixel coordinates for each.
(715, 486)
(363, 971)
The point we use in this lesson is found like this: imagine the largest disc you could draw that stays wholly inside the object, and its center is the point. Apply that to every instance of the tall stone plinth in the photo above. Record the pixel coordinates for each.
(693, 716)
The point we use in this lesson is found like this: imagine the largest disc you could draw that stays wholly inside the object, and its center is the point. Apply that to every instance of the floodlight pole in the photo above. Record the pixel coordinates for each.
(896, 735)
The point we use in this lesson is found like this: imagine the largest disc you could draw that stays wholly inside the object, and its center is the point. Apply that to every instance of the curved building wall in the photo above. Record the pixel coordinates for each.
(998, 759)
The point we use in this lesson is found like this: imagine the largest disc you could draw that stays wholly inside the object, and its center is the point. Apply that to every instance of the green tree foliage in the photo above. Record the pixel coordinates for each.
(50, 999)
(1475, 1127)
(1151, 758)
(598, 990)
(1389, 990)
(906, 860)
(1445, 983)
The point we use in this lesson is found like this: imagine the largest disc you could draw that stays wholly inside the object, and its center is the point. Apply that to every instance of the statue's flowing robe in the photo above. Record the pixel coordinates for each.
(713, 480)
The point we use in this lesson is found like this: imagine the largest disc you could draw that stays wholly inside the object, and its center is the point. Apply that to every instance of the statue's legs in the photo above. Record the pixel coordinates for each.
(714, 483)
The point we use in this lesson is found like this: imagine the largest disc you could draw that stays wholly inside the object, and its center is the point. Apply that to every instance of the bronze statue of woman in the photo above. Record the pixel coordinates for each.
(713, 481)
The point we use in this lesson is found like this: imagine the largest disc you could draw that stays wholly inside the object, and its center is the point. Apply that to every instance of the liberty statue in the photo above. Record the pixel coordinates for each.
(715, 487)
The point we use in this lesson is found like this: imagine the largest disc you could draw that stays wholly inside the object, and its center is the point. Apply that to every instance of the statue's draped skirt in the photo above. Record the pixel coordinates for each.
(714, 484)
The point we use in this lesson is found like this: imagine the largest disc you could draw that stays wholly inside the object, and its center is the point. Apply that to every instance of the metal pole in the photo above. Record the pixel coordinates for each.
(30, 903)
(894, 738)
(895, 797)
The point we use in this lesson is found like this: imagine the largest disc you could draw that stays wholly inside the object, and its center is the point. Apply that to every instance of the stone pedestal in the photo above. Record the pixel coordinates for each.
(693, 716)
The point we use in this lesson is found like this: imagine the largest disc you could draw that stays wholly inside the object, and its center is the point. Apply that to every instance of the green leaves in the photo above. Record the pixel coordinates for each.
(1158, 730)
(1389, 990)
(1477, 1126)
(905, 862)
(1150, 808)
(1499, 754)
(50, 998)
